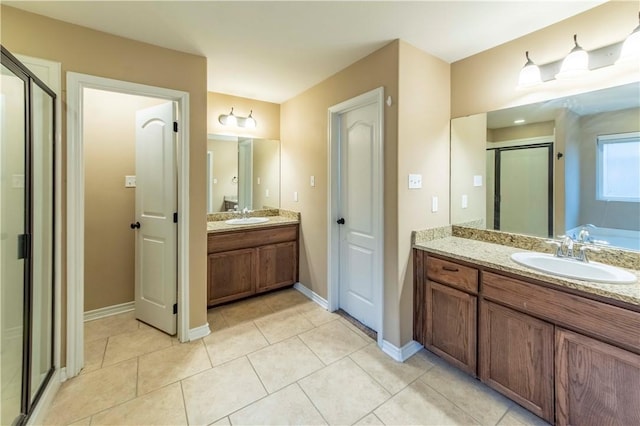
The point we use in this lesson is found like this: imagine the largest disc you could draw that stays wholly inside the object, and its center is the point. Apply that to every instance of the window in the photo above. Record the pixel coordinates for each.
(618, 167)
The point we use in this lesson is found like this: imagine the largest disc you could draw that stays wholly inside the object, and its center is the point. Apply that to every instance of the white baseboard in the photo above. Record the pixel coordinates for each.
(312, 295)
(108, 311)
(403, 353)
(39, 413)
(199, 332)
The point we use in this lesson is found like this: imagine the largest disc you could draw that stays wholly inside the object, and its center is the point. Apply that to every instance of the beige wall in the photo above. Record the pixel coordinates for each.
(487, 81)
(225, 167)
(423, 148)
(611, 214)
(545, 128)
(304, 153)
(267, 116)
(82, 50)
(110, 155)
(468, 147)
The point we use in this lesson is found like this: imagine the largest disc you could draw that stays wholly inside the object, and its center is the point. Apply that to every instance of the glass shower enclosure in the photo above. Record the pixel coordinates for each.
(27, 111)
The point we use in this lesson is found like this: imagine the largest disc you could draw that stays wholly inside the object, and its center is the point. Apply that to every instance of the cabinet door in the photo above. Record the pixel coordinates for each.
(231, 275)
(596, 383)
(451, 325)
(277, 266)
(516, 357)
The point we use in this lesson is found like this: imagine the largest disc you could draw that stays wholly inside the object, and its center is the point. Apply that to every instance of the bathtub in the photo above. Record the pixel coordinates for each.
(623, 238)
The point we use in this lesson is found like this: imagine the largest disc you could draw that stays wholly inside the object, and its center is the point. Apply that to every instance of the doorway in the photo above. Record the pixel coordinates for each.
(520, 199)
(77, 85)
(355, 216)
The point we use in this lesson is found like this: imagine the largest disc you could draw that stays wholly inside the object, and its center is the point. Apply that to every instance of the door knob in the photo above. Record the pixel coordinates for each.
(135, 225)
(340, 221)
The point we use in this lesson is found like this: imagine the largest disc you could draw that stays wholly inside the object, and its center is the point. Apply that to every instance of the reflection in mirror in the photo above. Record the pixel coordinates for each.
(242, 173)
(557, 167)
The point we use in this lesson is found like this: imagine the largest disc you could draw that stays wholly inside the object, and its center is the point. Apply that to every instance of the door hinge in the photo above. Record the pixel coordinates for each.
(175, 308)
(175, 126)
(23, 246)
(175, 217)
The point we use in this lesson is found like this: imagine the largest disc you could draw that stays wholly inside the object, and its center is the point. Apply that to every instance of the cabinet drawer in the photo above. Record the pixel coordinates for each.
(453, 274)
(246, 238)
(609, 323)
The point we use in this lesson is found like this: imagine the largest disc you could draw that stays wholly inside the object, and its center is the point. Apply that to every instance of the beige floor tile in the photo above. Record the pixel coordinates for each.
(161, 407)
(93, 355)
(222, 422)
(332, 341)
(216, 320)
(355, 329)
(218, 392)
(234, 342)
(286, 299)
(83, 422)
(518, 416)
(169, 365)
(110, 326)
(391, 374)
(419, 404)
(133, 344)
(245, 310)
(342, 392)
(369, 420)
(288, 406)
(283, 363)
(93, 392)
(476, 399)
(317, 314)
(282, 325)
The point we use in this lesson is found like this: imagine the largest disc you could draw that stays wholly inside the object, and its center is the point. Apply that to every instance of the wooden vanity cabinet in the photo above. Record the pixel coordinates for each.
(245, 262)
(451, 312)
(596, 383)
(516, 357)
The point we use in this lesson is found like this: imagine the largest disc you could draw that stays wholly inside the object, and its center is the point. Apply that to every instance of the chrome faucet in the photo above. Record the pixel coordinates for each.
(245, 212)
(567, 244)
(564, 247)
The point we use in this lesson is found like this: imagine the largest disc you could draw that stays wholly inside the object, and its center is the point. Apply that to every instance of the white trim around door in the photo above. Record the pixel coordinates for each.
(76, 83)
(375, 96)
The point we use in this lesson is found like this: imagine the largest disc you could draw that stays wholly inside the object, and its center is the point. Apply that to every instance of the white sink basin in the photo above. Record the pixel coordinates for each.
(569, 268)
(247, 221)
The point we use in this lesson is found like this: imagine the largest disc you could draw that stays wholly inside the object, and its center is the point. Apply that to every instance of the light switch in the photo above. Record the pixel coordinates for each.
(477, 180)
(312, 181)
(215, 181)
(465, 201)
(415, 181)
(434, 204)
(129, 181)
(258, 181)
(295, 196)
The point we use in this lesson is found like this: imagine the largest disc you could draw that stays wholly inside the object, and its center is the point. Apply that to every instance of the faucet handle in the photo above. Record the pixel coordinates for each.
(584, 249)
(557, 245)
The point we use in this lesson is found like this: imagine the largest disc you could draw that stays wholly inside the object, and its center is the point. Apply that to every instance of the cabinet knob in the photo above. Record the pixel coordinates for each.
(135, 225)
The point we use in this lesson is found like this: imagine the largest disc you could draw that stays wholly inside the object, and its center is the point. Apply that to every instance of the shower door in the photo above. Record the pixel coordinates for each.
(26, 239)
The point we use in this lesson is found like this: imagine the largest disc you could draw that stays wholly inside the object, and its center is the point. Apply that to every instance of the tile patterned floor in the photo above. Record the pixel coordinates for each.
(273, 360)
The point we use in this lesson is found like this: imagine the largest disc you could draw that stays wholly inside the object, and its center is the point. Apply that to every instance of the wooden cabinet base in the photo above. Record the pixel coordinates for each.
(243, 263)
(597, 383)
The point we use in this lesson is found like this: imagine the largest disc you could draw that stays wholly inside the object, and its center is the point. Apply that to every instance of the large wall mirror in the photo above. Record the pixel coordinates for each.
(552, 168)
(242, 173)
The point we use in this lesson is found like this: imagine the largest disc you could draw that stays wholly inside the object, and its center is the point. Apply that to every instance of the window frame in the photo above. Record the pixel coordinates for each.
(601, 141)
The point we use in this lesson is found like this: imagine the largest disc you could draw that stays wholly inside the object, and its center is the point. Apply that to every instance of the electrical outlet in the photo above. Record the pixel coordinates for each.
(312, 181)
(266, 193)
(477, 180)
(415, 181)
(434, 204)
(258, 180)
(465, 201)
(295, 196)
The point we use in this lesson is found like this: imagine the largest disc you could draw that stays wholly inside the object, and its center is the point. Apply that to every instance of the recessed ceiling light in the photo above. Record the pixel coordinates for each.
(519, 121)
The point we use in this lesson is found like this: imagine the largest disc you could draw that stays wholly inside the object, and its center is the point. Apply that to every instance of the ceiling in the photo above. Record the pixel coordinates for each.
(274, 50)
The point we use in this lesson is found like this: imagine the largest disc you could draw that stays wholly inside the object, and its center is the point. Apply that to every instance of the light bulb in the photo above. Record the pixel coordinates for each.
(631, 46)
(250, 122)
(575, 64)
(529, 74)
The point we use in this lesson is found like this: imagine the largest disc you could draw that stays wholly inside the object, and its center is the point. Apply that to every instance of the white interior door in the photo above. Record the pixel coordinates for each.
(156, 201)
(524, 191)
(360, 195)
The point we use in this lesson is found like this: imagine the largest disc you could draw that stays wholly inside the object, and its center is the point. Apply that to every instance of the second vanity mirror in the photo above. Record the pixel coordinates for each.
(242, 172)
(551, 168)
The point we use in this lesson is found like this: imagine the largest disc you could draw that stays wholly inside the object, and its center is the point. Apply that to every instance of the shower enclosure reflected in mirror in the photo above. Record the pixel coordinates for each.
(242, 173)
(552, 168)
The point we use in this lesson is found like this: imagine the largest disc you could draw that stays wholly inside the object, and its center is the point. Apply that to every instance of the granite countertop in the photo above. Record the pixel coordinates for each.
(498, 257)
(221, 226)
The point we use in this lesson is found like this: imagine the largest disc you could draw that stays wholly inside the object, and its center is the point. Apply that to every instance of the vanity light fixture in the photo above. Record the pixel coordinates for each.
(235, 120)
(575, 63)
(631, 46)
(529, 74)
